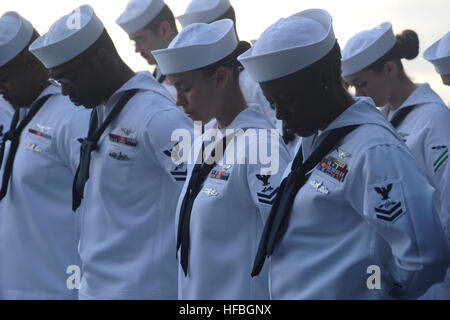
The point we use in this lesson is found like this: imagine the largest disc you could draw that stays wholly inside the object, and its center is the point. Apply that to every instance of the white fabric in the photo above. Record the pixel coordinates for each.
(38, 230)
(203, 11)
(138, 14)
(225, 229)
(427, 134)
(15, 34)
(366, 47)
(196, 46)
(290, 45)
(170, 88)
(127, 241)
(439, 55)
(68, 37)
(332, 239)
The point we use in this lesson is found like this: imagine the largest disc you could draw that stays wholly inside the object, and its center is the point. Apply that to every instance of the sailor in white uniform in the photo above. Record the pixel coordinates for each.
(128, 181)
(207, 11)
(354, 218)
(150, 24)
(6, 114)
(371, 62)
(439, 55)
(227, 196)
(39, 157)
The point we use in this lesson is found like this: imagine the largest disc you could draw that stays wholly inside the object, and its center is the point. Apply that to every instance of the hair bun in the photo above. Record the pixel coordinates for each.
(408, 44)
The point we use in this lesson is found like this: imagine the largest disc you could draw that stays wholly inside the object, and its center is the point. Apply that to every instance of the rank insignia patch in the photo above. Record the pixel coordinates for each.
(40, 134)
(333, 167)
(387, 200)
(178, 173)
(219, 175)
(122, 140)
(267, 195)
(442, 157)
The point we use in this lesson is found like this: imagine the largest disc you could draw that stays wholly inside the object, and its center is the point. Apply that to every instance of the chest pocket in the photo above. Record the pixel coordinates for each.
(38, 141)
(121, 149)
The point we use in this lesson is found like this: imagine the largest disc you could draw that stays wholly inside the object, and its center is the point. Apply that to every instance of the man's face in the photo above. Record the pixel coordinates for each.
(145, 41)
(82, 82)
(17, 83)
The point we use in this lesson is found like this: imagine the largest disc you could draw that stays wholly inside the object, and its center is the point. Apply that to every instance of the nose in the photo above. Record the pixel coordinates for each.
(65, 91)
(181, 99)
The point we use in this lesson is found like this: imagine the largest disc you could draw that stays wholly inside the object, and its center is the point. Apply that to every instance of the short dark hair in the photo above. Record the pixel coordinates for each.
(19, 58)
(229, 61)
(229, 14)
(331, 62)
(407, 46)
(164, 15)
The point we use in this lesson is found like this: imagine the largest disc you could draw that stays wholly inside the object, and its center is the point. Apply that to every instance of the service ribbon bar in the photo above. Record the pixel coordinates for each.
(40, 134)
(122, 140)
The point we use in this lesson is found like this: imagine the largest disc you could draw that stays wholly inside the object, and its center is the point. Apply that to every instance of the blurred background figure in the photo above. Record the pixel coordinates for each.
(150, 25)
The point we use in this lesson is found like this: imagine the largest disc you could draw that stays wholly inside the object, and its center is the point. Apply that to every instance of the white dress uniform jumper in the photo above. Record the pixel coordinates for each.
(226, 221)
(354, 199)
(127, 239)
(38, 230)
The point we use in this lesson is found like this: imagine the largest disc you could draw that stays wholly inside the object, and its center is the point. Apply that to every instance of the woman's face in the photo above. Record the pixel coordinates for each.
(298, 102)
(370, 83)
(196, 93)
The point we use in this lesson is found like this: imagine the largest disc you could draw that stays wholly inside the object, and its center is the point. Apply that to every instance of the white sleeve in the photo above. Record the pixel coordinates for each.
(394, 197)
(263, 178)
(167, 131)
(436, 152)
(74, 126)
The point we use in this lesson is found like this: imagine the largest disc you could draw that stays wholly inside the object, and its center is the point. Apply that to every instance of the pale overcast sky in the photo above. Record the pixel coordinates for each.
(430, 19)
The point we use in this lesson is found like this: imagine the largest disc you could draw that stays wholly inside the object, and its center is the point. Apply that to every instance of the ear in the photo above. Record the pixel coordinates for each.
(164, 30)
(390, 69)
(222, 77)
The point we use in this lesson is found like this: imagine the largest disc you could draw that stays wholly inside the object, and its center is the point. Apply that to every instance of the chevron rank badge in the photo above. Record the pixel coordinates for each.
(386, 201)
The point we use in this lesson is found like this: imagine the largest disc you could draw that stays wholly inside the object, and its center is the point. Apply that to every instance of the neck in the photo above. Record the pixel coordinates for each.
(232, 104)
(401, 90)
(342, 100)
(121, 75)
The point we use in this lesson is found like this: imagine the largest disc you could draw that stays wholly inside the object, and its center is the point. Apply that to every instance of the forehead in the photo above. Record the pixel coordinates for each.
(286, 84)
(141, 33)
(188, 76)
(359, 76)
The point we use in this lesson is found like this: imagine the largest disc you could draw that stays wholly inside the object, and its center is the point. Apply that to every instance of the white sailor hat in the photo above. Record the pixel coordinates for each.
(203, 11)
(290, 45)
(68, 37)
(196, 46)
(15, 34)
(366, 47)
(138, 14)
(439, 55)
